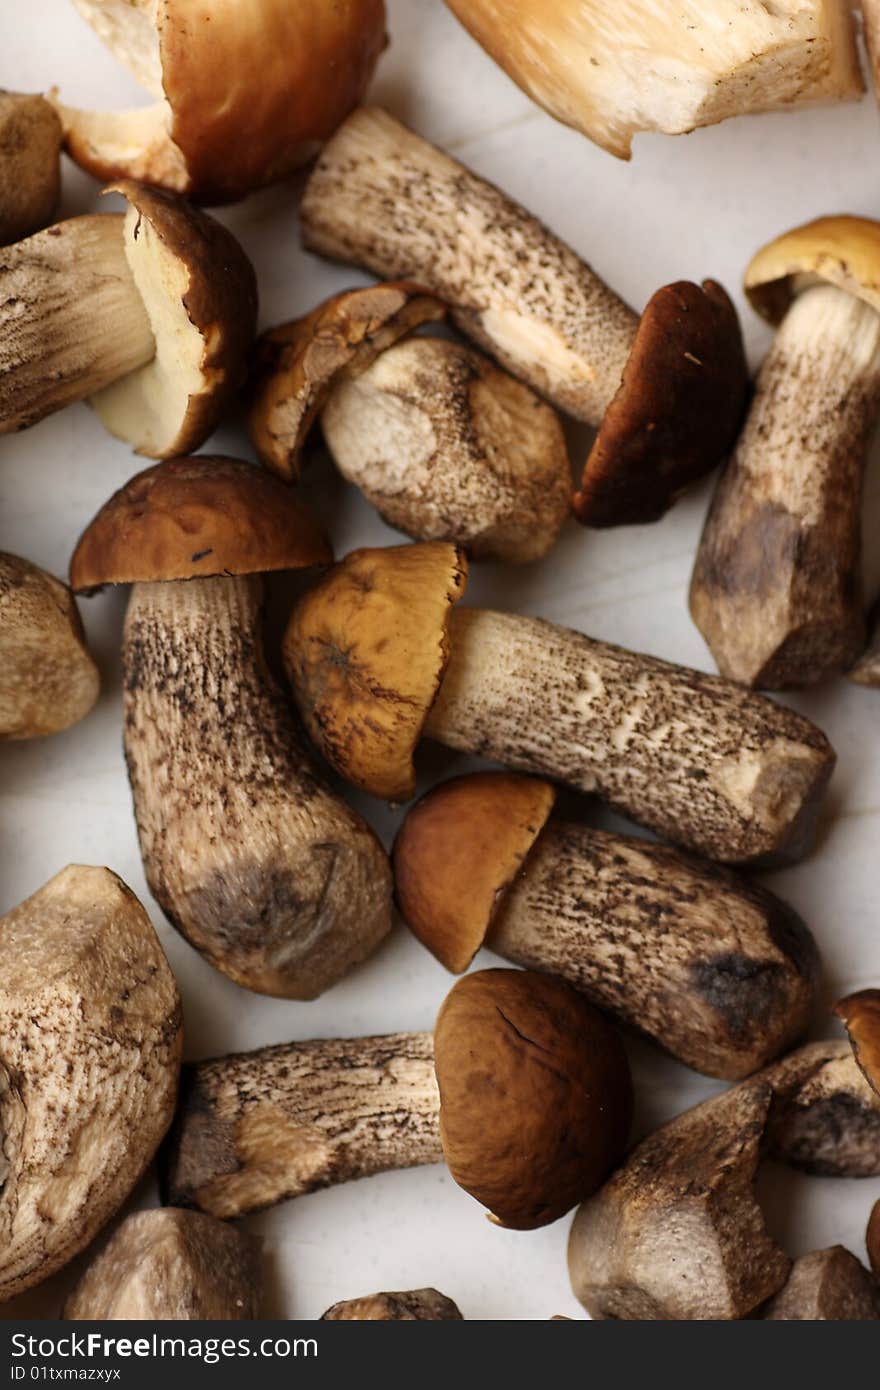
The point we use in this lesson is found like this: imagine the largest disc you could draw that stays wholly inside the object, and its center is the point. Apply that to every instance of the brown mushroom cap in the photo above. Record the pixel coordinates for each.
(457, 852)
(30, 164)
(861, 1016)
(298, 362)
(193, 517)
(417, 1305)
(365, 651)
(872, 1239)
(535, 1094)
(677, 410)
(842, 251)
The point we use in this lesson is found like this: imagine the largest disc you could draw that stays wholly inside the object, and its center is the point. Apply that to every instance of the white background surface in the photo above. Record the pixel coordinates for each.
(684, 208)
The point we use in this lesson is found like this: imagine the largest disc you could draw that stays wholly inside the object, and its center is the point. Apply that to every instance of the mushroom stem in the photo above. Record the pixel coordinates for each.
(702, 762)
(716, 970)
(826, 1286)
(825, 1117)
(260, 866)
(72, 320)
(259, 1127)
(776, 590)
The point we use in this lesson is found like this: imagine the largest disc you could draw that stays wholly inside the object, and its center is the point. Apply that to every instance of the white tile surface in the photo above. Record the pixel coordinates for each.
(685, 207)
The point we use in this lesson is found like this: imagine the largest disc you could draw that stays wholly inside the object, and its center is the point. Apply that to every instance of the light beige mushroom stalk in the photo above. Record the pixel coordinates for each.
(171, 1265)
(90, 1043)
(777, 588)
(825, 1116)
(48, 680)
(826, 1286)
(30, 164)
(416, 1305)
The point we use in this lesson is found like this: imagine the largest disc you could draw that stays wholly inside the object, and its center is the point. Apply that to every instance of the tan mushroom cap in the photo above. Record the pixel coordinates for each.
(193, 517)
(872, 1239)
(416, 1305)
(297, 363)
(535, 1094)
(30, 164)
(457, 852)
(861, 1017)
(677, 411)
(365, 651)
(842, 251)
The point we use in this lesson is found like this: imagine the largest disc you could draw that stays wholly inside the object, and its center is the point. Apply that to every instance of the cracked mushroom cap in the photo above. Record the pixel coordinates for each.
(843, 251)
(365, 651)
(456, 853)
(535, 1094)
(298, 363)
(861, 1017)
(193, 517)
(677, 411)
(243, 93)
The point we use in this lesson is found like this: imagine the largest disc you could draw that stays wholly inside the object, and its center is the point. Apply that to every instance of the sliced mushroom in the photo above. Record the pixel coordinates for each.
(377, 655)
(872, 1239)
(776, 589)
(613, 70)
(262, 868)
(667, 389)
(149, 315)
(866, 670)
(171, 1265)
(715, 969)
(90, 1043)
(826, 1286)
(48, 680)
(242, 93)
(30, 164)
(421, 1305)
(861, 1017)
(825, 1118)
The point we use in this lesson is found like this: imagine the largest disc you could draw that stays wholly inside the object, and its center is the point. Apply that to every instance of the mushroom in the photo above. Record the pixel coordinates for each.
(776, 588)
(530, 1106)
(613, 70)
(861, 1017)
(872, 1238)
(866, 670)
(825, 1118)
(419, 1305)
(30, 164)
(715, 969)
(149, 315)
(91, 1040)
(48, 680)
(826, 1286)
(242, 94)
(666, 389)
(171, 1265)
(269, 874)
(377, 655)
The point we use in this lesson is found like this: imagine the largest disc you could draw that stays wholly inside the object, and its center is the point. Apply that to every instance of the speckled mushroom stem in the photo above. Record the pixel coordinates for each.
(71, 318)
(776, 589)
(265, 870)
(382, 197)
(702, 762)
(715, 969)
(259, 1127)
(825, 1117)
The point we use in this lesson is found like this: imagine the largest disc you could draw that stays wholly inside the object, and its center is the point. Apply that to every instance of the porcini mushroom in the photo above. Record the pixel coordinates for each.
(666, 389)
(149, 315)
(242, 94)
(377, 655)
(419, 1305)
(715, 969)
(171, 1265)
(872, 1238)
(530, 1107)
(48, 680)
(612, 70)
(262, 868)
(776, 588)
(826, 1286)
(90, 1043)
(866, 670)
(825, 1117)
(860, 1013)
(30, 164)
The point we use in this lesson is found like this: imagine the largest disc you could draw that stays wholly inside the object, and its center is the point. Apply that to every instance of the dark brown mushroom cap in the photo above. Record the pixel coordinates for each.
(872, 1239)
(297, 363)
(459, 848)
(30, 164)
(861, 1016)
(535, 1094)
(677, 412)
(193, 517)
(417, 1305)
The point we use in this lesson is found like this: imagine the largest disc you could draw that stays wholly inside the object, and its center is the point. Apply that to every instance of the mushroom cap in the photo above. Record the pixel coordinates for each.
(365, 651)
(297, 363)
(193, 517)
(872, 1239)
(842, 251)
(416, 1305)
(30, 164)
(456, 853)
(861, 1016)
(677, 411)
(535, 1094)
(200, 294)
